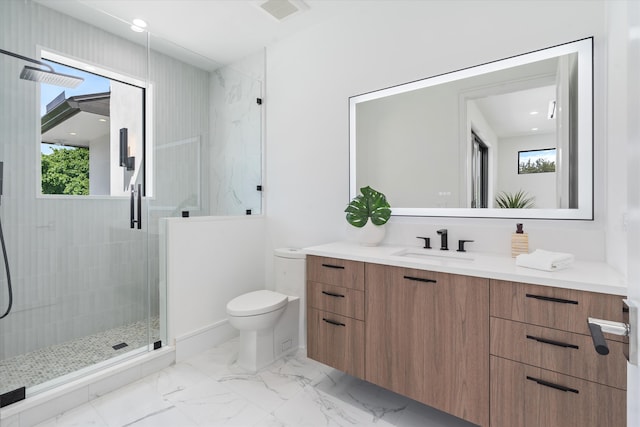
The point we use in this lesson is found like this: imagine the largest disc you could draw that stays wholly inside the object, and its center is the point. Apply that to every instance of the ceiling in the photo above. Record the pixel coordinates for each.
(214, 33)
(519, 113)
(219, 31)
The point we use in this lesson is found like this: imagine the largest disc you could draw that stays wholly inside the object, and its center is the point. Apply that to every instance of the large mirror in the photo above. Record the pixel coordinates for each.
(507, 139)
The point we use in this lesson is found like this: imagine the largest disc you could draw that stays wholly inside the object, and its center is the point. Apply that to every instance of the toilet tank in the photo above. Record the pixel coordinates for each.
(289, 268)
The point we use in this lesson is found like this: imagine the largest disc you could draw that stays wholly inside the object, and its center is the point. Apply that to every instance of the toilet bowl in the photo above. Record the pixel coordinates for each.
(270, 322)
(256, 310)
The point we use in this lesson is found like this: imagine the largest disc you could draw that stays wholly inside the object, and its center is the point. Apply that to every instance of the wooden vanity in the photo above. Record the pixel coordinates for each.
(493, 352)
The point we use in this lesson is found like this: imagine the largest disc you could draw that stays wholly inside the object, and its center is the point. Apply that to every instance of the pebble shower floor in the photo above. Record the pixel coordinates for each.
(52, 362)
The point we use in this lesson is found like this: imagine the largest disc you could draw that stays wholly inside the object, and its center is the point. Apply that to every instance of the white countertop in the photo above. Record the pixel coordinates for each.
(581, 275)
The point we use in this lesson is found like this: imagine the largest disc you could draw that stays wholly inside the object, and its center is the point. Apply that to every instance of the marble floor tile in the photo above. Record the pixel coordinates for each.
(210, 403)
(83, 416)
(130, 404)
(210, 390)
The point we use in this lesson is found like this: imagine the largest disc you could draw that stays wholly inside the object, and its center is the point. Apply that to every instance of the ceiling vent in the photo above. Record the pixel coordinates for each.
(281, 9)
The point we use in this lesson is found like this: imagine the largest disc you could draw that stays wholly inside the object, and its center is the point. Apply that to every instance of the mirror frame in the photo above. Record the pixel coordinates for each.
(584, 49)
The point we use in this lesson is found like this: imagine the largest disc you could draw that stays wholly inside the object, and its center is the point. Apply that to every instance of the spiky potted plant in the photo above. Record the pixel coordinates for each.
(520, 200)
(369, 212)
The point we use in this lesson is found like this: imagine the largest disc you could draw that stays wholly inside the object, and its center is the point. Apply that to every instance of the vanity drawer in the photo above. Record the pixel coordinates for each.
(337, 341)
(336, 299)
(335, 271)
(558, 351)
(565, 309)
(526, 396)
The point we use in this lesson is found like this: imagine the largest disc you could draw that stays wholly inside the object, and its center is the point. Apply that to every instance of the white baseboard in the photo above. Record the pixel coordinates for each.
(203, 339)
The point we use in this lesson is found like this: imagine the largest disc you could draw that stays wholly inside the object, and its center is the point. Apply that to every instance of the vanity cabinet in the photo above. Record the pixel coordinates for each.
(335, 313)
(544, 369)
(427, 337)
(492, 352)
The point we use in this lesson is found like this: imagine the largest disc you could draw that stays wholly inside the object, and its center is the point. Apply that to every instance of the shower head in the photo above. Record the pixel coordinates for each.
(49, 77)
(44, 76)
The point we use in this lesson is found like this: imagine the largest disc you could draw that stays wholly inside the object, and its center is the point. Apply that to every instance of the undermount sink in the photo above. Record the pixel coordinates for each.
(435, 255)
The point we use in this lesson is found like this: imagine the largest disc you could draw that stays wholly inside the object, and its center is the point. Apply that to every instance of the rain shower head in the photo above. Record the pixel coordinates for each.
(44, 76)
(49, 77)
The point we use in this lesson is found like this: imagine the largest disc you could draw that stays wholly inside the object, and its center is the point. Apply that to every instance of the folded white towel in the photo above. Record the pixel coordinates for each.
(545, 260)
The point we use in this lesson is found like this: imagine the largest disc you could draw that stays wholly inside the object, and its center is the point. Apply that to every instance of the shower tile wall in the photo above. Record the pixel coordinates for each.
(73, 261)
(76, 266)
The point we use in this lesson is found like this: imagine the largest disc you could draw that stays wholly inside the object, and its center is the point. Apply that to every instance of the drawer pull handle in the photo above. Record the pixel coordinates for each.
(419, 279)
(553, 342)
(341, 267)
(552, 385)
(333, 322)
(551, 299)
(332, 294)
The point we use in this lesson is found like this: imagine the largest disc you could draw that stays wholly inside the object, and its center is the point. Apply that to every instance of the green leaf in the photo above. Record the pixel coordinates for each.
(519, 200)
(370, 204)
(66, 171)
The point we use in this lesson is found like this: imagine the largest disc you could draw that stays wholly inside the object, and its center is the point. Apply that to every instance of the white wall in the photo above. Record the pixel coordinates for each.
(310, 77)
(99, 166)
(209, 261)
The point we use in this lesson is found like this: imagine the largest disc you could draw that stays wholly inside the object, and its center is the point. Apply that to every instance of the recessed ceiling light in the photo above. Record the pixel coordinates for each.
(72, 133)
(534, 129)
(139, 23)
(102, 120)
(533, 113)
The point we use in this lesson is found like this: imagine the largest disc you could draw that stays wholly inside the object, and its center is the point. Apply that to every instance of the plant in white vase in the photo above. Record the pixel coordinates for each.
(369, 211)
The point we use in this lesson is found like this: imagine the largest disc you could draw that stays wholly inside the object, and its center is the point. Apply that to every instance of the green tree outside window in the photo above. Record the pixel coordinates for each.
(66, 171)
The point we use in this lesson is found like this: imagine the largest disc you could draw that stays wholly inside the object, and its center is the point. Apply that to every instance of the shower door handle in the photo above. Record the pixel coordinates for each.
(133, 218)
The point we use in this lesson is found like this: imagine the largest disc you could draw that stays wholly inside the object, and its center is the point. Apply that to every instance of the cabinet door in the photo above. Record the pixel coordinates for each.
(336, 341)
(427, 337)
(557, 308)
(559, 351)
(336, 272)
(336, 299)
(526, 396)
(399, 322)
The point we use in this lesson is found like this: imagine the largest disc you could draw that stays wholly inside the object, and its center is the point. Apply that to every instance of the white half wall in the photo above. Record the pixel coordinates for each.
(209, 261)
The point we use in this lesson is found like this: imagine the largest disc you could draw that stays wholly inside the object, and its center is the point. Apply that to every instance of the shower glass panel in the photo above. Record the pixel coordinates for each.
(87, 275)
(80, 275)
(207, 133)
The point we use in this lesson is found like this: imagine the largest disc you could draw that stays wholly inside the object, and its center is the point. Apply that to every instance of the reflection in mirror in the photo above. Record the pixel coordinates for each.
(449, 145)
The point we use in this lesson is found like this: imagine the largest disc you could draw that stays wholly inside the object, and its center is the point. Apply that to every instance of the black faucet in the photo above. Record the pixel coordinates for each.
(461, 245)
(443, 239)
(427, 242)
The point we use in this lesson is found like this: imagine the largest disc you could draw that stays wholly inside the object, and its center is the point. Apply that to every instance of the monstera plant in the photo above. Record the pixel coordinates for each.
(369, 204)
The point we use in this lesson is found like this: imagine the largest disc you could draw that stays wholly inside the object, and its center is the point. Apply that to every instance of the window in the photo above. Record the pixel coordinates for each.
(537, 161)
(81, 148)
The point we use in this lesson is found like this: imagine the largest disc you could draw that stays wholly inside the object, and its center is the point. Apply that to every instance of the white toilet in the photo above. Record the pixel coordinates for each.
(271, 323)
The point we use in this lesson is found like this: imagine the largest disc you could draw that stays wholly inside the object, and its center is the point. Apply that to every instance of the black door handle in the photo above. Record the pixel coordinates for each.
(552, 385)
(136, 219)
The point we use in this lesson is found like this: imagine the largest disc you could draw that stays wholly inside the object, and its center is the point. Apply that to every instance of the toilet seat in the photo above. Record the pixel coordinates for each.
(255, 303)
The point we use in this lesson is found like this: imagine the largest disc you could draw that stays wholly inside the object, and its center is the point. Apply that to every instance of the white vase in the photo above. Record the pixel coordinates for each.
(370, 234)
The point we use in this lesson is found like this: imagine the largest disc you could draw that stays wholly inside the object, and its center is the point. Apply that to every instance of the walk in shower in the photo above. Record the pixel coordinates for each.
(153, 131)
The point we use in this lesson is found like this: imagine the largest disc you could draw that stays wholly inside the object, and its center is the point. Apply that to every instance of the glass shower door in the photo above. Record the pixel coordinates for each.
(80, 285)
